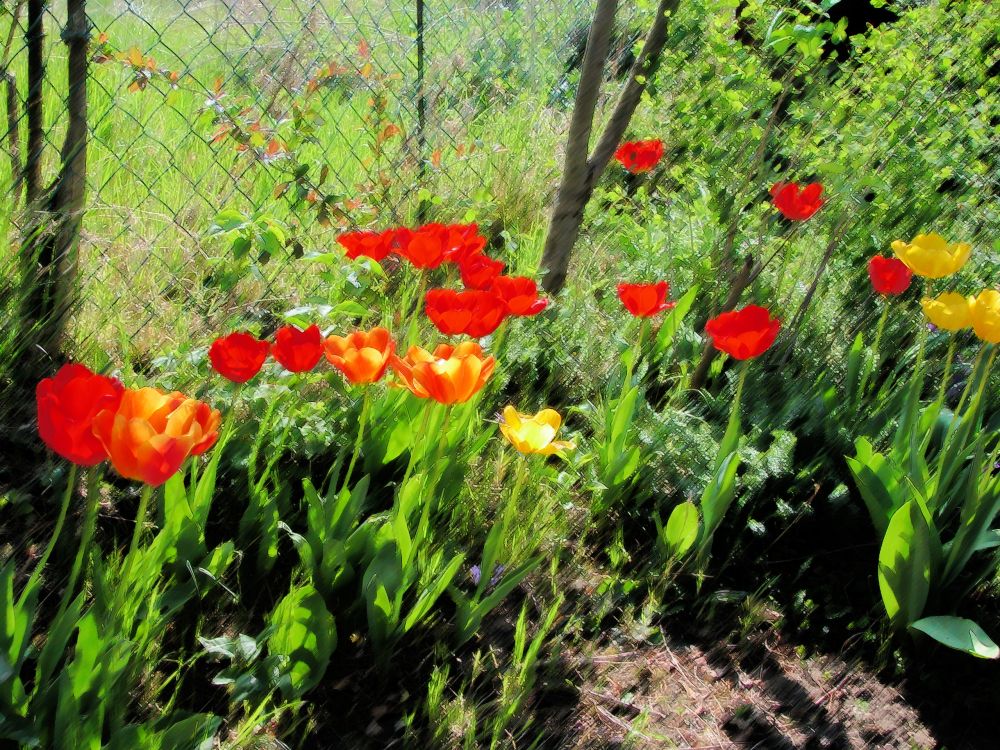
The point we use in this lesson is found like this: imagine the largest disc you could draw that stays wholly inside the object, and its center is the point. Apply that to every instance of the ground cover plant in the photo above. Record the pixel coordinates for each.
(325, 459)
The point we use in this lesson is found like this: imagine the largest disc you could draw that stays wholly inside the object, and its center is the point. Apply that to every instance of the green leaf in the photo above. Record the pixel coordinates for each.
(672, 323)
(719, 495)
(304, 633)
(681, 531)
(432, 593)
(228, 220)
(959, 634)
(904, 565)
(855, 379)
(881, 485)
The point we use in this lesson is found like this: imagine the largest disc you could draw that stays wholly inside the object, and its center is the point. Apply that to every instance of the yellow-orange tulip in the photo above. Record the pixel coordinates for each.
(451, 375)
(363, 356)
(949, 311)
(534, 433)
(931, 255)
(985, 311)
(151, 433)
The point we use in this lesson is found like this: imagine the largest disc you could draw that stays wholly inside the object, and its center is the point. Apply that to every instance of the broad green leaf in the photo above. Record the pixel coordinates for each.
(624, 409)
(228, 220)
(719, 494)
(959, 634)
(904, 565)
(304, 633)
(681, 531)
(880, 484)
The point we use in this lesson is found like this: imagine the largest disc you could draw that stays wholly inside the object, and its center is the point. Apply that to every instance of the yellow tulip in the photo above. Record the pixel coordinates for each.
(930, 255)
(950, 311)
(985, 311)
(534, 434)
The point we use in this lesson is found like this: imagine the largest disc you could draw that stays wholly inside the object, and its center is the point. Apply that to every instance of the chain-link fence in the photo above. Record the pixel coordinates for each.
(312, 115)
(287, 122)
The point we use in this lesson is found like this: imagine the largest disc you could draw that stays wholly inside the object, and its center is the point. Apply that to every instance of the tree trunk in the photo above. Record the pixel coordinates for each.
(575, 189)
(51, 243)
(35, 39)
(580, 173)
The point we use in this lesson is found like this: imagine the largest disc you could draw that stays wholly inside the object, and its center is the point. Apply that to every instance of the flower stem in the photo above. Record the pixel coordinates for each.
(56, 532)
(413, 448)
(362, 422)
(443, 440)
(744, 369)
(89, 526)
(942, 389)
(880, 329)
(637, 349)
(140, 517)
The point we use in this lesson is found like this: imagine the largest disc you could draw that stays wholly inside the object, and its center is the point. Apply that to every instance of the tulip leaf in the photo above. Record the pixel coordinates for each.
(672, 323)
(880, 483)
(304, 635)
(681, 531)
(904, 564)
(430, 595)
(960, 634)
(719, 494)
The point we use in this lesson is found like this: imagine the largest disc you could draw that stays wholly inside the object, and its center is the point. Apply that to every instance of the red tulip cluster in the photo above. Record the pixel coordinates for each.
(639, 156)
(479, 312)
(449, 374)
(146, 434)
(426, 247)
(362, 357)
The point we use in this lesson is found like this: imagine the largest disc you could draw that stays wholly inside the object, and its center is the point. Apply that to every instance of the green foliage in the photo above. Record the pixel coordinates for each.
(303, 637)
(932, 498)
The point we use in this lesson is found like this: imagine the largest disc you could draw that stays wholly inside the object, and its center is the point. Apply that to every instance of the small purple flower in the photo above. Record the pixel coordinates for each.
(475, 573)
(932, 328)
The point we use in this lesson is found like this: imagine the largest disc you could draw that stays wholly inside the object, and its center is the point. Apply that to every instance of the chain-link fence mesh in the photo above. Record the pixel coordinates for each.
(197, 107)
(320, 115)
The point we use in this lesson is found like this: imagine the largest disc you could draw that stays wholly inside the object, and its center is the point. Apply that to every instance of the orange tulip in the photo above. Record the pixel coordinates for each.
(451, 375)
(362, 356)
(152, 433)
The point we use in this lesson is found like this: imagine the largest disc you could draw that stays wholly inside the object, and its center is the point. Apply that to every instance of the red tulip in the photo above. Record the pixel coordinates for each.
(297, 350)
(238, 356)
(478, 271)
(374, 245)
(795, 204)
(889, 276)
(520, 294)
(645, 300)
(464, 242)
(67, 404)
(473, 312)
(425, 247)
(639, 156)
(743, 334)
(150, 434)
